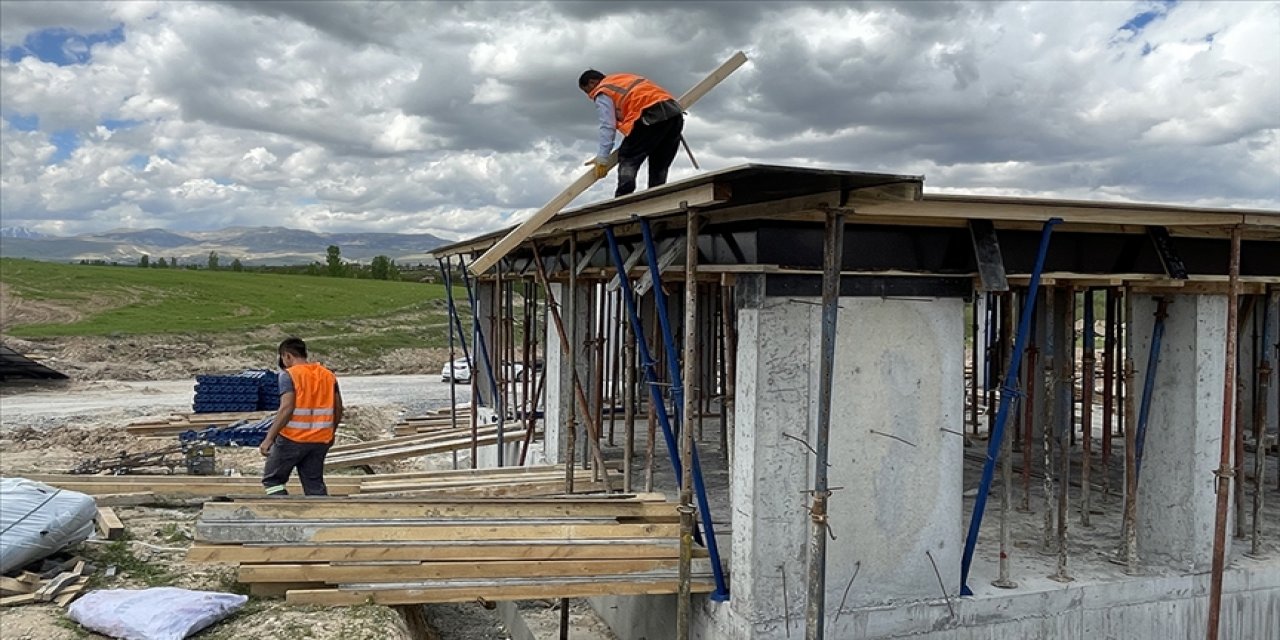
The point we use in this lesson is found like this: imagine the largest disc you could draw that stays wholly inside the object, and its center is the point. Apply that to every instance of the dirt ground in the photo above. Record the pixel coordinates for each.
(47, 428)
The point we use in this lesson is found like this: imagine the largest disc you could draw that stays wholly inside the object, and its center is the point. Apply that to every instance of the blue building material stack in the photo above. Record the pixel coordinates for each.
(249, 390)
(244, 433)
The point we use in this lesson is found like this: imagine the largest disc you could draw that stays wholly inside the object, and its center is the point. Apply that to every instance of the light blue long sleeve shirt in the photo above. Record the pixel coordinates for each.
(608, 126)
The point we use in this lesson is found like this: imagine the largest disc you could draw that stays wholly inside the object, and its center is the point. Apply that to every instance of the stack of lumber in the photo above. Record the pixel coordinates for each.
(411, 446)
(500, 482)
(430, 424)
(408, 551)
(59, 586)
(176, 423)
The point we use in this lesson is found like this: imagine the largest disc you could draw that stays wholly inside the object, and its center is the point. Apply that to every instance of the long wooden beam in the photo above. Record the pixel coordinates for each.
(588, 178)
(620, 548)
(404, 572)
(500, 590)
(319, 532)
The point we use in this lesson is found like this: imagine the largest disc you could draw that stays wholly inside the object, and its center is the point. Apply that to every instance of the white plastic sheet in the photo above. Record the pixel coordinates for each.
(37, 520)
(160, 613)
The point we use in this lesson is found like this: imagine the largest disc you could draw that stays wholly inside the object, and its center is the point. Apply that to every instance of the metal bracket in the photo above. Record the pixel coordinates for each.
(986, 251)
(1169, 258)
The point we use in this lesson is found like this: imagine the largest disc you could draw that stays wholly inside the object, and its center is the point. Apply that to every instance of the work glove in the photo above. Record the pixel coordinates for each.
(600, 165)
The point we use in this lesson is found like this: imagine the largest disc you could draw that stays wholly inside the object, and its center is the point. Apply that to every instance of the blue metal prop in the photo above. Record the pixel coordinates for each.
(1008, 392)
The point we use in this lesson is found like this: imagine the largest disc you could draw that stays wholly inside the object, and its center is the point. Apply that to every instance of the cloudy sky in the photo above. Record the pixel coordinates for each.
(458, 118)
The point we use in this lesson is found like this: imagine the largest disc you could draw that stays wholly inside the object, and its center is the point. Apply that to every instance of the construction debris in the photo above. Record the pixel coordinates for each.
(60, 585)
(374, 451)
(395, 551)
(175, 424)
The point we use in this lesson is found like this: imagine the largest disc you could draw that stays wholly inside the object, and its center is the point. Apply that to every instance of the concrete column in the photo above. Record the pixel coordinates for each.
(486, 312)
(1184, 432)
(559, 375)
(898, 383)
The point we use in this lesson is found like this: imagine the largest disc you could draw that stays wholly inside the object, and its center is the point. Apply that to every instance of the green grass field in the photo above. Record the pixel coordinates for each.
(134, 301)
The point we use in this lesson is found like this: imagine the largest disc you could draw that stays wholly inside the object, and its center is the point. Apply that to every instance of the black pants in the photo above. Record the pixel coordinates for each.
(658, 143)
(287, 455)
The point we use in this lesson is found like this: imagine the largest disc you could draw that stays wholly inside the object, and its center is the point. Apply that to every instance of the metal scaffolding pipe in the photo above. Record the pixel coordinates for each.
(1086, 408)
(566, 349)
(1260, 439)
(1224, 459)
(684, 599)
(832, 252)
(1003, 580)
(1007, 393)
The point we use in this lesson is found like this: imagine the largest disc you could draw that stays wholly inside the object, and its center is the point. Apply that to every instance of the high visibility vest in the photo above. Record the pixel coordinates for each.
(312, 419)
(631, 95)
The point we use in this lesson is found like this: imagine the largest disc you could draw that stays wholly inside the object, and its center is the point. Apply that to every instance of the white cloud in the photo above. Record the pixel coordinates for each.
(457, 118)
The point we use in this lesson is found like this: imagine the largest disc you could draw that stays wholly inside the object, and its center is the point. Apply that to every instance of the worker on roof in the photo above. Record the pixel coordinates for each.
(647, 116)
(305, 424)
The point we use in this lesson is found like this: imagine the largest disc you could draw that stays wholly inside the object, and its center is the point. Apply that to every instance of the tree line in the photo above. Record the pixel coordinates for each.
(380, 268)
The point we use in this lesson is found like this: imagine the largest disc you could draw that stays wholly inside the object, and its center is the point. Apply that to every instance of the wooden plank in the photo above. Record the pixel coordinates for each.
(72, 592)
(279, 589)
(986, 251)
(518, 235)
(548, 589)
(319, 532)
(629, 548)
(491, 570)
(414, 450)
(124, 499)
(13, 586)
(301, 509)
(25, 598)
(109, 524)
(55, 586)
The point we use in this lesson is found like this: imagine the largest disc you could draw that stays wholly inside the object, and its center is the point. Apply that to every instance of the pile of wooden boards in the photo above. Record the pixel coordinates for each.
(410, 446)
(430, 424)
(59, 586)
(177, 423)
(499, 482)
(337, 551)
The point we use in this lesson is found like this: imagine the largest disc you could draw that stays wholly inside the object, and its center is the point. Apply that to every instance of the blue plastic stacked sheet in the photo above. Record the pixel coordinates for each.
(249, 390)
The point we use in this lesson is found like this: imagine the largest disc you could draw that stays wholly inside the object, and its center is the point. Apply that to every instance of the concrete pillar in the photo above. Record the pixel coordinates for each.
(1184, 432)
(486, 312)
(899, 381)
(559, 375)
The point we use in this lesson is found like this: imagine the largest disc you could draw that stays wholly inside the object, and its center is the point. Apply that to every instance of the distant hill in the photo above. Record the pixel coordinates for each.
(252, 245)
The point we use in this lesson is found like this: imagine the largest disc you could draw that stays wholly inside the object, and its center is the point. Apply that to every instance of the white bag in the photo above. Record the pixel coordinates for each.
(37, 520)
(160, 613)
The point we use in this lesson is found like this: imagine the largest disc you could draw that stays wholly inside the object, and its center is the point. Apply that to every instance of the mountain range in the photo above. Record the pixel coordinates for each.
(251, 245)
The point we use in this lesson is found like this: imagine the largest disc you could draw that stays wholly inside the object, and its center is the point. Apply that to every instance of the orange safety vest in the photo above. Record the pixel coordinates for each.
(631, 95)
(312, 419)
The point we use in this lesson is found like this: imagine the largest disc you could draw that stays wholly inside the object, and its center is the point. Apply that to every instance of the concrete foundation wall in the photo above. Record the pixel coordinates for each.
(898, 386)
(1141, 608)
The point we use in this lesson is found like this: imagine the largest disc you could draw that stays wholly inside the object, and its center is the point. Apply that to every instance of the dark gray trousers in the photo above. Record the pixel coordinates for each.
(287, 455)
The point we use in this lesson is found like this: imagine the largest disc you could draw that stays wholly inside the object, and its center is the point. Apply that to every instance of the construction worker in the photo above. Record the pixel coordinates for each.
(305, 424)
(648, 117)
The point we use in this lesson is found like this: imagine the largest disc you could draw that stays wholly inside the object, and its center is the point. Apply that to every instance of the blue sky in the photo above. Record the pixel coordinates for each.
(389, 116)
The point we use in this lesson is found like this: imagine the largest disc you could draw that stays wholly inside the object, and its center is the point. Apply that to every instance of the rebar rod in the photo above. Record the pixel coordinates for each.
(832, 253)
(1028, 424)
(1224, 458)
(628, 404)
(973, 367)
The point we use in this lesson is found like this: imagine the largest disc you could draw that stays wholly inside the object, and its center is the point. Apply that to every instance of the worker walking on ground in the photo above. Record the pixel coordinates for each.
(648, 117)
(305, 424)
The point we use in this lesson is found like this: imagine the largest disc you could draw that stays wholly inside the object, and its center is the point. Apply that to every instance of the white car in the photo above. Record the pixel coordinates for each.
(457, 371)
(460, 371)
